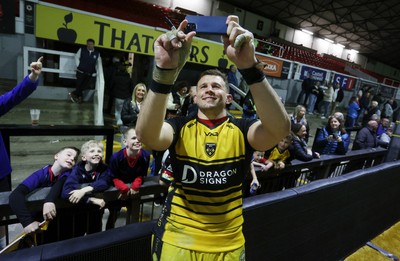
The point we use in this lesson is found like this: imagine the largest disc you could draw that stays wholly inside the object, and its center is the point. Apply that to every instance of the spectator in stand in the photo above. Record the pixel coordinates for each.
(387, 110)
(339, 115)
(178, 100)
(352, 112)
(8, 101)
(232, 75)
(131, 107)
(327, 100)
(87, 61)
(52, 176)
(383, 126)
(249, 107)
(128, 165)
(299, 117)
(380, 99)
(232, 79)
(371, 110)
(312, 98)
(333, 138)
(95, 174)
(364, 103)
(122, 89)
(110, 70)
(337, 97)
(306, 87)
(396, 110)
(259, 161)
(192, 108)
(254, 179)
(320, 97)
(366, 137)
(299, 144)
(384, 138)
(280, 155)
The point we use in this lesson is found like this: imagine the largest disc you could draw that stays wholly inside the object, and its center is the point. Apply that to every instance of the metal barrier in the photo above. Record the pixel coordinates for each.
(327, 220)
(328, 166)
(295, 175)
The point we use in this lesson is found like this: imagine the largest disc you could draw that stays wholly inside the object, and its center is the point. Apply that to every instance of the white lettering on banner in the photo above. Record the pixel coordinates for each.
(190, 176)
(271, 67)
(319, 76)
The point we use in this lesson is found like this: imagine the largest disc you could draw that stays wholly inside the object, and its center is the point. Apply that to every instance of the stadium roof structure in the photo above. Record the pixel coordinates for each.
(368, 26)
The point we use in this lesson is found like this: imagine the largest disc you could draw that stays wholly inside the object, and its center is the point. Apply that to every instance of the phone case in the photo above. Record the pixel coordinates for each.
(206, 24)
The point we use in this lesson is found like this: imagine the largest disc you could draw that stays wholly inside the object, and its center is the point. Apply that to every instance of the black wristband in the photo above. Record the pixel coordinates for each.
(252, 75)
(160, 88)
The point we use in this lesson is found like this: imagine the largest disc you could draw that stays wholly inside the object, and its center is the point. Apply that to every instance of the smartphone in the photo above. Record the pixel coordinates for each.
(206, 24)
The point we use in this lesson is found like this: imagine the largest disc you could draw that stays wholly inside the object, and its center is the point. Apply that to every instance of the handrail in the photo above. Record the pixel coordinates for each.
(151, 186)
(70, 68)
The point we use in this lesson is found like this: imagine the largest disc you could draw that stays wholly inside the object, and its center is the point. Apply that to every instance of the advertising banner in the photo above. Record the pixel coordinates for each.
(316, 74)
(73, 26)
(345, 82)
(275, 67)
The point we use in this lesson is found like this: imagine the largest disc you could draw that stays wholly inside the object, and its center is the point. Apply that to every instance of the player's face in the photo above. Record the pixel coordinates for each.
(212, 93)
(93, 155)
(131, 142)
(66, 158)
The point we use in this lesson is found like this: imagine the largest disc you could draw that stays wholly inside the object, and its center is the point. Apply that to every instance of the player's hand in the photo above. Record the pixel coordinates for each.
(49, 211)
(239, 45)
(171, 51)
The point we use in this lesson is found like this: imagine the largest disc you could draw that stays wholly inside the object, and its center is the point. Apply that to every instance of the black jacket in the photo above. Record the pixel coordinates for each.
(129, 113)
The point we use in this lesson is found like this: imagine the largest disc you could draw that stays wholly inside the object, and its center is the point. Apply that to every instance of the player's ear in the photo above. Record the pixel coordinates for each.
(229, 99)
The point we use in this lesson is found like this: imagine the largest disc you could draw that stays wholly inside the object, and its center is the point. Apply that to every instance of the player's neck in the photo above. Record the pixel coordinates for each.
(211, 114)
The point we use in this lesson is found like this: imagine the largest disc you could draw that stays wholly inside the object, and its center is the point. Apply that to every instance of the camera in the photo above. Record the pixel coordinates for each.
(206, 24)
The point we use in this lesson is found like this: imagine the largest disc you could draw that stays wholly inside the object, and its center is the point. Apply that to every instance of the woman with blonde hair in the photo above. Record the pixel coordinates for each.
(299, 117)
(131, 107)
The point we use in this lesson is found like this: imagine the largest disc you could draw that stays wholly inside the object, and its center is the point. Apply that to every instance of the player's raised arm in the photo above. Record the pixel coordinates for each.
(274, 122)
(171, 51)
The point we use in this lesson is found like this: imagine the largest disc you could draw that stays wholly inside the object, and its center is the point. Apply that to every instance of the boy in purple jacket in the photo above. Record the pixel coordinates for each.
(8, 101)
(52, 176)
(95, 174)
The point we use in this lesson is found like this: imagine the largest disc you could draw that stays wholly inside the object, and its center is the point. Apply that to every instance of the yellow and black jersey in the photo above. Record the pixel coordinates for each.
(203, 210)
(276, 156)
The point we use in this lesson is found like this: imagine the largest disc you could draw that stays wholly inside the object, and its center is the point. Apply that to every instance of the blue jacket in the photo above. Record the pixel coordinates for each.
(99, 179)
(39, 179)
(323, 146)
(120, 168)
(8, 101)
(352, 110)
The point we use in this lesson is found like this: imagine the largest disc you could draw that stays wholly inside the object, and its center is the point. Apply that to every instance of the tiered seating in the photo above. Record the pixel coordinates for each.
(134, 11)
